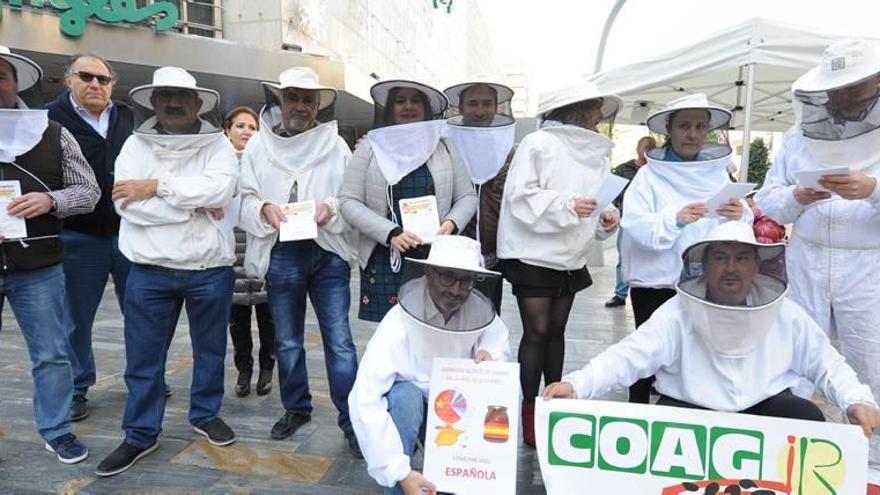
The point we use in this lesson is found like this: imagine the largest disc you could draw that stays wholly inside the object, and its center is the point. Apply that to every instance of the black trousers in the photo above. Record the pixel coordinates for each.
(242, 342)
(644, 302)
(782, 405)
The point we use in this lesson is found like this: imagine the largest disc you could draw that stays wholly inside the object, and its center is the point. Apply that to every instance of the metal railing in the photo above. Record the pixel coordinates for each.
(198, 17)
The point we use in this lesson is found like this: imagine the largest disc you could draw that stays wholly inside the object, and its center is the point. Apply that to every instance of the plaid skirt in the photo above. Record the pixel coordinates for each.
(379, 284)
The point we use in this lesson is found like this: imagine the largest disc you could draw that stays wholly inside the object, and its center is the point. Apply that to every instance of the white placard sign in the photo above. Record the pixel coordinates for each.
(300, 222)
(737, 190)
(809, 179)
(419, 216)
(608, 190)
(10, 227)
(614, 447)
(473, 424)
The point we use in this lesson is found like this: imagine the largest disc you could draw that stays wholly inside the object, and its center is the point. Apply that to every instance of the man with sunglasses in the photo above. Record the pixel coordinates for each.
(91, 255)
(42, 159)
(445, 311)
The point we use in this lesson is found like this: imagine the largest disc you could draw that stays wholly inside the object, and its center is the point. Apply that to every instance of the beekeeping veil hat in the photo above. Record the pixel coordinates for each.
(733, 330)
(835, 105)
(447, 298)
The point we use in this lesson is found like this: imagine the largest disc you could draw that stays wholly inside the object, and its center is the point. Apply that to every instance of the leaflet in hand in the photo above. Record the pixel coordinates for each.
(300, 222)
(610, 189)
(419, 216)
(736, 190)
(10, 227)
(809, 179)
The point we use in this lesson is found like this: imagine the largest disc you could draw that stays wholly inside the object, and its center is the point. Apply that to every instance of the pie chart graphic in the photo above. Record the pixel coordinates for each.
(450, 406)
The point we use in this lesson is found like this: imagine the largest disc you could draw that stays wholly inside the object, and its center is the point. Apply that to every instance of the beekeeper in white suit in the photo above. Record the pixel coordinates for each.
(730, 341)
(445, 310)
(834, 252)
(665, 207)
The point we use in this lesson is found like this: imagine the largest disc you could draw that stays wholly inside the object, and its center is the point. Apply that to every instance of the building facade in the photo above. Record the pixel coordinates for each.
(232, 45)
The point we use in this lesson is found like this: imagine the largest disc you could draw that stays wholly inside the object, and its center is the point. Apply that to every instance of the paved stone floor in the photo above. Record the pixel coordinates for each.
(314, 461)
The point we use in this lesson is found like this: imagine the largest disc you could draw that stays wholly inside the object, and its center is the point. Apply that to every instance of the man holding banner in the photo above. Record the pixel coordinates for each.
(445, 310)
(730, 341)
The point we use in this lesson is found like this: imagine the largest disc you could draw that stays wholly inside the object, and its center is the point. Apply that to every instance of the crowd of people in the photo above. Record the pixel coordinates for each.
(186, 208)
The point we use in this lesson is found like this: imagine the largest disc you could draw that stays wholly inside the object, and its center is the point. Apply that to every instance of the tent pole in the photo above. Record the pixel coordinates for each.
(747, 124)
(600, 54)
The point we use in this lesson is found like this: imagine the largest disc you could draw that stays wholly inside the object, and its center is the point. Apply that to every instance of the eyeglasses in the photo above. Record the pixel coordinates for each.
(88, 77)
(448, 279)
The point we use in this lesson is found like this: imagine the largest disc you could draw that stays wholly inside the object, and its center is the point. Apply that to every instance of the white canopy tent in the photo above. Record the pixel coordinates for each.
(747, 69)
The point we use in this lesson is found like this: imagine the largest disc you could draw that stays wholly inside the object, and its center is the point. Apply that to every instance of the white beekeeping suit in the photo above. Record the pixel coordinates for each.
(834, 253)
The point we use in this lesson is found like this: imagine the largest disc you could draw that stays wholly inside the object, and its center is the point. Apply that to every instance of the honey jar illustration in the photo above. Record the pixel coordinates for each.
(496, 426)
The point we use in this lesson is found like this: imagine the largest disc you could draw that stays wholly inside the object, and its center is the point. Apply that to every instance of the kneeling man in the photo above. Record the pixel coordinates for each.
(445, 311)
(730, 341)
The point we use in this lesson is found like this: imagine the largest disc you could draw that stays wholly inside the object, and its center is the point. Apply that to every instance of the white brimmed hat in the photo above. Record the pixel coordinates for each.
(582, 91)
(304, 78)
(843, 63)
(456, 252)
(174, 77)
(503, 92)
(718, 117)
(436, 100)
(27, 72)
(733, 231)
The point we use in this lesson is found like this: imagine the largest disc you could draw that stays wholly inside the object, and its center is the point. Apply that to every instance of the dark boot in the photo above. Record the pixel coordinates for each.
(264, 382)
(243, 384)
(528, 423)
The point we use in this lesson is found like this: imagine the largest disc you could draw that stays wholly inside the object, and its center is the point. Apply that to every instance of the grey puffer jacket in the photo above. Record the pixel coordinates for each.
(248, 291)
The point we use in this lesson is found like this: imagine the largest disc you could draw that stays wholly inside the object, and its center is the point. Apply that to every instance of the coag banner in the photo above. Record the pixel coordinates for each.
(472, 429)
(612, 447)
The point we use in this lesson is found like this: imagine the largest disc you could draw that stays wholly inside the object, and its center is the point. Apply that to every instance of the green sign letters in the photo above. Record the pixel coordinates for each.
(75, 13)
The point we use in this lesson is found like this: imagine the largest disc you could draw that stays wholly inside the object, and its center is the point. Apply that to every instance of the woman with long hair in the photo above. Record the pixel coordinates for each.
(548, 218)
(403, 157)
(240, 125)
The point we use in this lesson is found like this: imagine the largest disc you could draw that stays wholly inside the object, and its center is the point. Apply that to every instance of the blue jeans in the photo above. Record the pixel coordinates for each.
(298, 268)
(88, 262)
(154, 297)
(37, 300)
(409, 411)
(621, 290)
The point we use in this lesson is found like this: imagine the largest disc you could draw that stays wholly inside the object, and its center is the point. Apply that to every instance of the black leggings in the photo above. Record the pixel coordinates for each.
(644, 302)
(782, 405)
(542, 348)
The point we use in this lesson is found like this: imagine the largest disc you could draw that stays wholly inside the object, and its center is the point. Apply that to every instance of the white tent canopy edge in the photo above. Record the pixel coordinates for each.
(747, 68)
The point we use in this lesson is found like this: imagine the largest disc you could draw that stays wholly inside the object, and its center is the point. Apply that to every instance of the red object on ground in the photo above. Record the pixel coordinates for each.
(873, 489)
(528, 423)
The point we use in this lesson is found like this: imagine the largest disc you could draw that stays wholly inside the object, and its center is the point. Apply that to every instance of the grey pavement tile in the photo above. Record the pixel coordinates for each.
(185, 464)
(180, 466)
